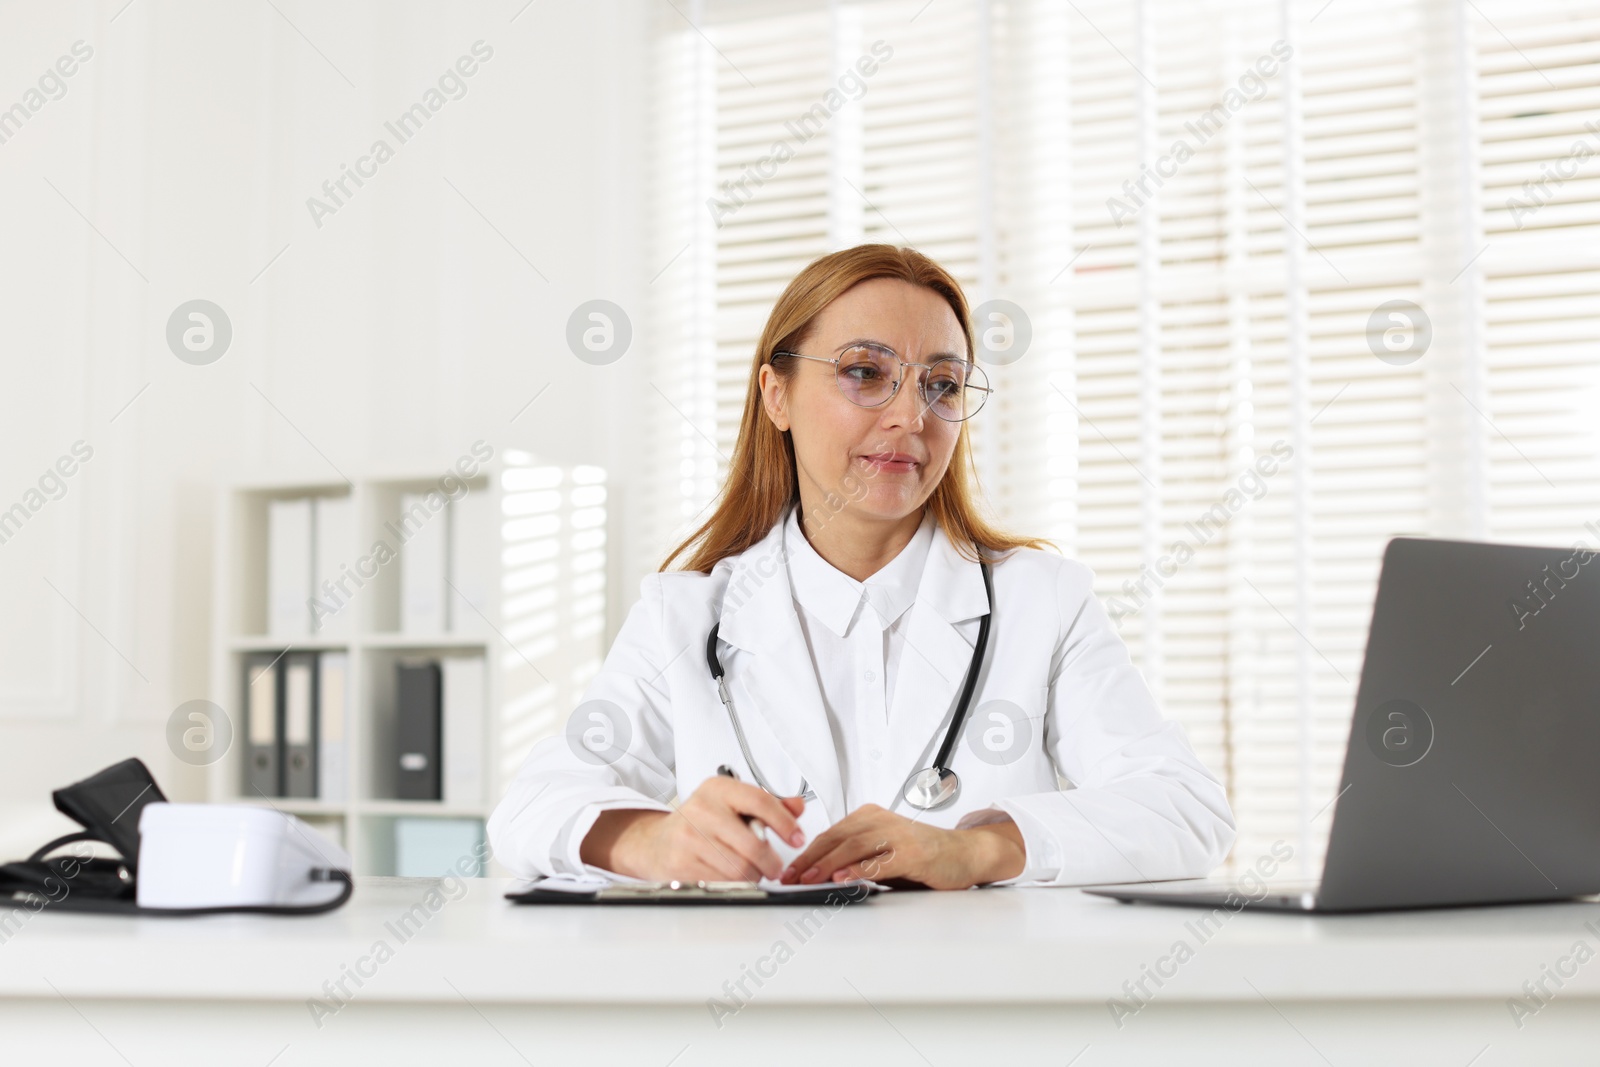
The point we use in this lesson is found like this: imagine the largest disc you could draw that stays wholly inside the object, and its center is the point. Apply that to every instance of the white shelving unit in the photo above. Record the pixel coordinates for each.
(540, 634)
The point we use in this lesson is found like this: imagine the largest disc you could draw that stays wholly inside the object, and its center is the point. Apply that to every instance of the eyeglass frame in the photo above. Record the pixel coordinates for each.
(987, 390)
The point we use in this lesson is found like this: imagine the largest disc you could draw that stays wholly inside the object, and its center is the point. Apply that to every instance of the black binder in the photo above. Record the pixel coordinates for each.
(299, 684)
(418, 732)
(263, 704)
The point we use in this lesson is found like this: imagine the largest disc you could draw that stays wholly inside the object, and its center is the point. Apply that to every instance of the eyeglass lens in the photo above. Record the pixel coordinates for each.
(953, 389)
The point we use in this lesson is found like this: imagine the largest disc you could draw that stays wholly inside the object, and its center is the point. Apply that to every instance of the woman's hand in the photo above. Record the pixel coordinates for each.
(872, 842)
(704, 839)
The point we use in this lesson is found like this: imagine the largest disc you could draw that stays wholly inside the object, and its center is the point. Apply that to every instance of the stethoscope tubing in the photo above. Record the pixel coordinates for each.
(715, 663)
(941, 762)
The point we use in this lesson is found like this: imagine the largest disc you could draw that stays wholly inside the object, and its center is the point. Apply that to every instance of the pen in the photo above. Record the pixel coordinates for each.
(750, 820)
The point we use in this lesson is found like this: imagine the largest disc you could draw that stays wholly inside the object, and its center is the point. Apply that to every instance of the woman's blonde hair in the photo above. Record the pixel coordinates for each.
(761, 480)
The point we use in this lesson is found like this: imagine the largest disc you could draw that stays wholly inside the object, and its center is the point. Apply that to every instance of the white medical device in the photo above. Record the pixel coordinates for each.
(237, 857)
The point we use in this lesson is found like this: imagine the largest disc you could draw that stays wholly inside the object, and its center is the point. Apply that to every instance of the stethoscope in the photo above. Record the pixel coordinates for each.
(928, 789)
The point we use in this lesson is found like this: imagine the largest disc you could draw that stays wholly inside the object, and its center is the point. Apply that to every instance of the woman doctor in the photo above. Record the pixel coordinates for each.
(850, 580)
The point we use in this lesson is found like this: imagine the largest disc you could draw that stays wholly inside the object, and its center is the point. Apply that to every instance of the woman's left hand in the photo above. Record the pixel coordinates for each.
(873, 842)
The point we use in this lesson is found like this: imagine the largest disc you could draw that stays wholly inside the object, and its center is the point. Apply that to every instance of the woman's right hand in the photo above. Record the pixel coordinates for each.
(705, 839)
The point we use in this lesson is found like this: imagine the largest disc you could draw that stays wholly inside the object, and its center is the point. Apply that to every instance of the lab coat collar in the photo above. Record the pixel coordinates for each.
(952, 585)
(833, 597)
(758, 616)
(940, 636)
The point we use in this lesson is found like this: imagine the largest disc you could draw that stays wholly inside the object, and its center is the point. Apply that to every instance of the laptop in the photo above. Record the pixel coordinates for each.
(1472, 770)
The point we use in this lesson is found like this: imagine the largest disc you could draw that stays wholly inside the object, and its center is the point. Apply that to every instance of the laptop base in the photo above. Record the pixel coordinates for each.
(1297, 896)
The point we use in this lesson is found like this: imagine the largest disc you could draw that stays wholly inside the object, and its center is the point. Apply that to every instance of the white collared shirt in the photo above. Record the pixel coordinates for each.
(856, 636)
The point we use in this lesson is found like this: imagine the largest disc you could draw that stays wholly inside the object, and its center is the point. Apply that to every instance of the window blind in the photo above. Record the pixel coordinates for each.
(1537, 109)
(1199, 208)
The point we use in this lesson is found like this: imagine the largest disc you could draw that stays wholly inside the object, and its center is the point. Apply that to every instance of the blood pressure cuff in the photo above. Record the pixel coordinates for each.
(107, 805)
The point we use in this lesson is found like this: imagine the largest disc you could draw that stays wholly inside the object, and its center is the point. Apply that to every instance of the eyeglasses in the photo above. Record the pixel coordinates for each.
(870, 375)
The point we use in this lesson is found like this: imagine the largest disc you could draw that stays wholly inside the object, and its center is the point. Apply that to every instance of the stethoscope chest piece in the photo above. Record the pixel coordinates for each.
(932, 788)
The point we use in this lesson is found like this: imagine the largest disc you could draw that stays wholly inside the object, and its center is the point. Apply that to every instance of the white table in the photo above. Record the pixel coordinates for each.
(995, 976)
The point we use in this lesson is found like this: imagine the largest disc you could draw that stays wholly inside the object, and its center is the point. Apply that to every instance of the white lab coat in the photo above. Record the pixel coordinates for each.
(1136, 803)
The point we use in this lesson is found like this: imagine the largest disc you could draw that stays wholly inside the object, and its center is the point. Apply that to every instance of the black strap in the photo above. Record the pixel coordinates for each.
(92, 900)
(318, 874)
(65, 839)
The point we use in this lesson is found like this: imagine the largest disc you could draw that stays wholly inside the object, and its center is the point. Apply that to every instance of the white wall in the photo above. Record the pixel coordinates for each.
(403, 328)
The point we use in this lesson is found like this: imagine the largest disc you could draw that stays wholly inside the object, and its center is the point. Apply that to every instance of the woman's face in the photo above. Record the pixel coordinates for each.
(878, 463)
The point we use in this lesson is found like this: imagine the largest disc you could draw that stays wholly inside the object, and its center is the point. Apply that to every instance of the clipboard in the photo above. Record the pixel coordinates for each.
(576, 891)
